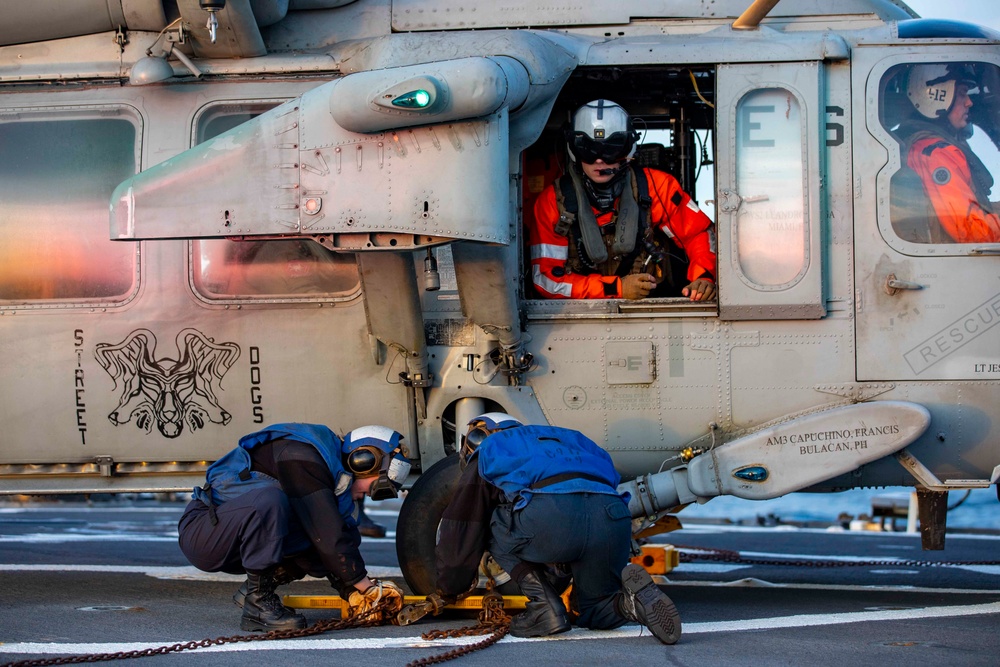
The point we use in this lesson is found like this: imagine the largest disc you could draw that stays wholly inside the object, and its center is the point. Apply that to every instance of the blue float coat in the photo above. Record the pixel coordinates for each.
(226, 481)
(518, 458)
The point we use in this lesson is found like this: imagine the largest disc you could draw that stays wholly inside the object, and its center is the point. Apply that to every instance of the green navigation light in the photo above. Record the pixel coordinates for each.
(415, 99)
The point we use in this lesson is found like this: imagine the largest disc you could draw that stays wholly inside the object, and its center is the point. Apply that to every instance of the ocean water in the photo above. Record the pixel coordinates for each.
(980, 509)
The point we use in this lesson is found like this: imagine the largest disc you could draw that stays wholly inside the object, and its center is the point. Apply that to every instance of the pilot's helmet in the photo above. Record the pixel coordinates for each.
(931, 87)
(482, 426)
(376, 451)
(601, 129)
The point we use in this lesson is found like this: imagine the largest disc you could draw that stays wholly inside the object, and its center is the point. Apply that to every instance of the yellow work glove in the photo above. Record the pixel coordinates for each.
(380, 592)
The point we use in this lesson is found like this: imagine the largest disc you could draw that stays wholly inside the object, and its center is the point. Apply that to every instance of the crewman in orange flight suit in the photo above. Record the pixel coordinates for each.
(616, 242)
(955, 179)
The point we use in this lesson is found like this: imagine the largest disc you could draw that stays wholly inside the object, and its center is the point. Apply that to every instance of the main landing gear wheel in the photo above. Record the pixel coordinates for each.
(417, 527)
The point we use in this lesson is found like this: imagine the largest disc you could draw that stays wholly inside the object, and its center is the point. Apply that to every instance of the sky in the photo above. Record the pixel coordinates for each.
(983, 12)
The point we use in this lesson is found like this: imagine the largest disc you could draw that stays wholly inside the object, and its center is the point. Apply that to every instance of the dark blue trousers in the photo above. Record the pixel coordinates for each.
(255, 531)
(590, 532)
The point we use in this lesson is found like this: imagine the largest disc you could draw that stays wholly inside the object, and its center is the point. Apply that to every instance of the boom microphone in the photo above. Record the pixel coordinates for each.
(612, 171)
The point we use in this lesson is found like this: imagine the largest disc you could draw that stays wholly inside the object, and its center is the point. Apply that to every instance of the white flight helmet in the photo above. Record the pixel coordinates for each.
(931, 87)
(601, 129)
(376, 451)
(482, 426)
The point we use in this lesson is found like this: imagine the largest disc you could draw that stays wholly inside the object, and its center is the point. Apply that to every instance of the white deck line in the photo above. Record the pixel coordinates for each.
(626, 632)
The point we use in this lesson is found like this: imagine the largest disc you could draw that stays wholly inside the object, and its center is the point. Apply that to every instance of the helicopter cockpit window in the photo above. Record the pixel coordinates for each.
(57, 172)
(291, 269)
(944, 118)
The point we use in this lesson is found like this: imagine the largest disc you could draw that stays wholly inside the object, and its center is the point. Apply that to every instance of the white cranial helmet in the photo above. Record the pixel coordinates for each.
(601, 130)
(482, 426)
(931, 87)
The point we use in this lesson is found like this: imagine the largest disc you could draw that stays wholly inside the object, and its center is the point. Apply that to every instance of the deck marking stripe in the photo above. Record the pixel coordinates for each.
(626, 632)
(188, 573)
(126, 536)
(183, 572)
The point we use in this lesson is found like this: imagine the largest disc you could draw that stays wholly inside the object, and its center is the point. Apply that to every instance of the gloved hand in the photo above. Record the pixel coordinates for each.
(362, 602)
(700, 290)
(637, 286)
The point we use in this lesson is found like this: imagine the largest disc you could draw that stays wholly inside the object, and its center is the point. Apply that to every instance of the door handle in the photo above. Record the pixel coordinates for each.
(893, 285)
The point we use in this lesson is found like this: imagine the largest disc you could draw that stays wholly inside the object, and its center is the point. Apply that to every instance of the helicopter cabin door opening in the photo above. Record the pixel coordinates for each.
(672, 112)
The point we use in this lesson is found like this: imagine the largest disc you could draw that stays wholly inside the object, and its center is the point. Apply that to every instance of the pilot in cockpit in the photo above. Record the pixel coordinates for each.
(602, 230)
(954, 179)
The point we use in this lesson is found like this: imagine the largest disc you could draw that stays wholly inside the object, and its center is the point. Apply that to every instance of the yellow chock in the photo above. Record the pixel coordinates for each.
(471, 603)
(656, 558)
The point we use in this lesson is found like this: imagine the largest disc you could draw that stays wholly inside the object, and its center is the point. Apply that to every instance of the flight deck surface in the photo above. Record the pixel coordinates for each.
(109, 578)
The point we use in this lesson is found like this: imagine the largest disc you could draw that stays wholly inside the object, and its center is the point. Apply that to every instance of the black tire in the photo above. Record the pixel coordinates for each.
(416, 528)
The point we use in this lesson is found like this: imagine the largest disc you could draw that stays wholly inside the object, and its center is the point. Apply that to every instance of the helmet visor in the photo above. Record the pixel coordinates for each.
(960, 73)
(613, 148)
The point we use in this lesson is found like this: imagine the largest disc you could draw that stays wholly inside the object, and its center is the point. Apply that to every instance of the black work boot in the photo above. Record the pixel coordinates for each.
(544, 614)
(559, 576)
(643, 602)
(366, 526)
(262, 608)
(284, 573)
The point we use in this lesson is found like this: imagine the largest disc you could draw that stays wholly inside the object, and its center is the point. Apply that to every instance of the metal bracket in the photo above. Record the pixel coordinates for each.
(121, 38)
(106, 464)
(730, 201)
(419, 380)
(929, 480)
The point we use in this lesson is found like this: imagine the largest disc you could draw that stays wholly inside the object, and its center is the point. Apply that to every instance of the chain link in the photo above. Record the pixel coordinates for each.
(492, 619)
(727, 556)
(369, 618)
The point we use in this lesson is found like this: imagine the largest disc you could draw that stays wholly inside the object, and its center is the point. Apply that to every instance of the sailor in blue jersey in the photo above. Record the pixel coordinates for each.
(282, 504)
(537, 495)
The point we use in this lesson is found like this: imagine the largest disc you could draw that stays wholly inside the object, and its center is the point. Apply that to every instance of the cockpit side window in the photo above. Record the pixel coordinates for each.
(294, 269)
(57, 172)
(943, 118)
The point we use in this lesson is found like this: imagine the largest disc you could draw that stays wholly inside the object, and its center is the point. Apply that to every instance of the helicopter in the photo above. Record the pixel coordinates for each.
(221, 214)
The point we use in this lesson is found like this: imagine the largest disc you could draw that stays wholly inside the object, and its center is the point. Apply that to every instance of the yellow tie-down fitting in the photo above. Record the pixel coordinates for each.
(415, 607)
(411, 613)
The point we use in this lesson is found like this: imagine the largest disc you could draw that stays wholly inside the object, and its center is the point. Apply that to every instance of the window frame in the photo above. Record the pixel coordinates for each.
(741, 262)
(874, 95)
(739, 297)
(82, 112)
(204, 114)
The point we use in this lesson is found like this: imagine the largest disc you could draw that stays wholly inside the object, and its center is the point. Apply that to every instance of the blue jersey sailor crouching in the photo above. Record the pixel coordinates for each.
(282, 505)
(541, 495)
